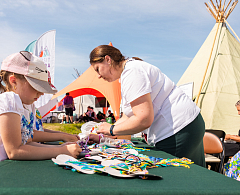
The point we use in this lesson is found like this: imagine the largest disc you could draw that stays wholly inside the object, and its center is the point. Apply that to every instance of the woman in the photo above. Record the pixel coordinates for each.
(151, 103)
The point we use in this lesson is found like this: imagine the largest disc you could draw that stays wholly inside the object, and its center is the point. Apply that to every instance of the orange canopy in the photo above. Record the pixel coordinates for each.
(89, 84)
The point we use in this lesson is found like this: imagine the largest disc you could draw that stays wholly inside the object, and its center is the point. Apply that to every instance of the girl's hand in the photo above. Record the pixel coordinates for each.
(70, 138)
(71, 149)
(93, 138)
(67, 143)
(104, 129)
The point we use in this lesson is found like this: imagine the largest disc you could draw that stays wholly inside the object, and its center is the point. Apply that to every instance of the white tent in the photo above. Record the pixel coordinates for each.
(215, 72)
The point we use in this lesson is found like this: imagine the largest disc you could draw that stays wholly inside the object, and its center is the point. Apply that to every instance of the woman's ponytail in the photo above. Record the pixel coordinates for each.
(2, 87)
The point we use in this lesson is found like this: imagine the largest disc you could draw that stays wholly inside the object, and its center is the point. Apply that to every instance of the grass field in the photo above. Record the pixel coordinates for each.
(67, 128)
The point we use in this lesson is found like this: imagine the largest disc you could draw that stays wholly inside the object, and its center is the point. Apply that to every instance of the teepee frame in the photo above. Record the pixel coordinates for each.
(220, 13)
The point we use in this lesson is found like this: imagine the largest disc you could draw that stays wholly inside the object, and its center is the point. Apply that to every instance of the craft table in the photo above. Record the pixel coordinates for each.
(57, 112)
(44, 177)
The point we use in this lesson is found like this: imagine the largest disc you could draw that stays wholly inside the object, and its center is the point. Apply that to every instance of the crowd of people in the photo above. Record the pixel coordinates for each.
(91, 115)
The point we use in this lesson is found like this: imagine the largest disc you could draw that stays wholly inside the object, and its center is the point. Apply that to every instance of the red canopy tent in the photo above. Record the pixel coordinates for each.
(89, 84)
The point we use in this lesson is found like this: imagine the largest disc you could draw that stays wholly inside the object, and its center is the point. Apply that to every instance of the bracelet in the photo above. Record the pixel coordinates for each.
(111, 130)
(100, 136)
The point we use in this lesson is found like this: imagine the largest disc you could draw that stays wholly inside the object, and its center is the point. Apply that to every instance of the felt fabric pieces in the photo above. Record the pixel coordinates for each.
(121, 161)
(232, 167)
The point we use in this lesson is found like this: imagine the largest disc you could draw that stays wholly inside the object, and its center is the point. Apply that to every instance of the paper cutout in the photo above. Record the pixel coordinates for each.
(115, 172)
(110, 162)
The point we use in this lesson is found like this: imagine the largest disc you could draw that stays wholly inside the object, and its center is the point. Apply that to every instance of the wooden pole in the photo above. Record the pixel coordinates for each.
(231, 9)
(227, 6)
(223, 5)
(232, 30)
(217, 5)
(214, 6)
(211, 11)
(207, 65)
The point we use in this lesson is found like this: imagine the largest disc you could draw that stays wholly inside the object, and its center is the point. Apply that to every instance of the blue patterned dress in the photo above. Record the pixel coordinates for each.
(232, 167)
(27, 127)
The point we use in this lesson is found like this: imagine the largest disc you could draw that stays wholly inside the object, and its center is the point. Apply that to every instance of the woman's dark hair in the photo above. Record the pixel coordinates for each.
(4, 77)
(137, 58)
(98, 55)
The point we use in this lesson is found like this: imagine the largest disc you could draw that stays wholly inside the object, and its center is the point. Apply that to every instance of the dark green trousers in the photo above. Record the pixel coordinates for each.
(188, 142)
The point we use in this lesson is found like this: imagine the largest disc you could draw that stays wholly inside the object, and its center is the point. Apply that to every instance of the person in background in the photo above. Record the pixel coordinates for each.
(110, 114)
(232, 167)
(90, 115)
(234, 137)
(68, 104)
(151, 103)
(232, 148)
(26, 78)
(84, 116)
(93, 116)
(101, 117)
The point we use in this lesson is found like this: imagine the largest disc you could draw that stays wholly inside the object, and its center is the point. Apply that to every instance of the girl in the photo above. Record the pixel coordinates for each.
(26, 79)
(151, 102)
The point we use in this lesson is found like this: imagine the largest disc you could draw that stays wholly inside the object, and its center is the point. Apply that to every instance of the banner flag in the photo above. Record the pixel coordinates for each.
(31, 46)
(45, 50)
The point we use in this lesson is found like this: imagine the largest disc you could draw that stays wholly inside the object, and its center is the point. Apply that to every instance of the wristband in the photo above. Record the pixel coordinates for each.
(111, 130)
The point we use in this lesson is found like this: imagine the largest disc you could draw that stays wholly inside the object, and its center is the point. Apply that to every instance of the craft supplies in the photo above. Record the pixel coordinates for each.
(117, 157)
(119, 162)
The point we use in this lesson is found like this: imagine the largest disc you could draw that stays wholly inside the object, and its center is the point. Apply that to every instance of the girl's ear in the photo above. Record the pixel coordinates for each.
(12, 80)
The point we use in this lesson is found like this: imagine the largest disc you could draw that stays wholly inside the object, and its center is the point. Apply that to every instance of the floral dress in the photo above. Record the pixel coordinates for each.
(27, 122)
(232, 167)
(11, 103)
(39, 125)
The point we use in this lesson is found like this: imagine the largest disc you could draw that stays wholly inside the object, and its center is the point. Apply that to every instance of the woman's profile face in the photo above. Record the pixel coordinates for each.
(105, 70)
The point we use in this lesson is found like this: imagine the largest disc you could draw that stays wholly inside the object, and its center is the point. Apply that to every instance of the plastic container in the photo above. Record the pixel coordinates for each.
(109, 120)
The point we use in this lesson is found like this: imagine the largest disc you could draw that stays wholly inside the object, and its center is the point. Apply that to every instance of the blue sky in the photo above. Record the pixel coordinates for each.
(167, 34)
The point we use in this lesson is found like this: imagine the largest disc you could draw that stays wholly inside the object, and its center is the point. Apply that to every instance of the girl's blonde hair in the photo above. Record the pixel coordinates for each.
(4, 77)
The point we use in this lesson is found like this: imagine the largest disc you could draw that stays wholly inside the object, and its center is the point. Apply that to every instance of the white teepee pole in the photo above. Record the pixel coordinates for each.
(232, 30)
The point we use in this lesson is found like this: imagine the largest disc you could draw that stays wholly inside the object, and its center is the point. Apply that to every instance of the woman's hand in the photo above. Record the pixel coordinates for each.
(227, 137)
(72, 149)
(93, 138)
(104, 129)
(232, 137)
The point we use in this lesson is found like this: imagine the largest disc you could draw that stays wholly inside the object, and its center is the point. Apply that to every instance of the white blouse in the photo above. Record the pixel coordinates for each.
(11, 102)
(173, 110)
